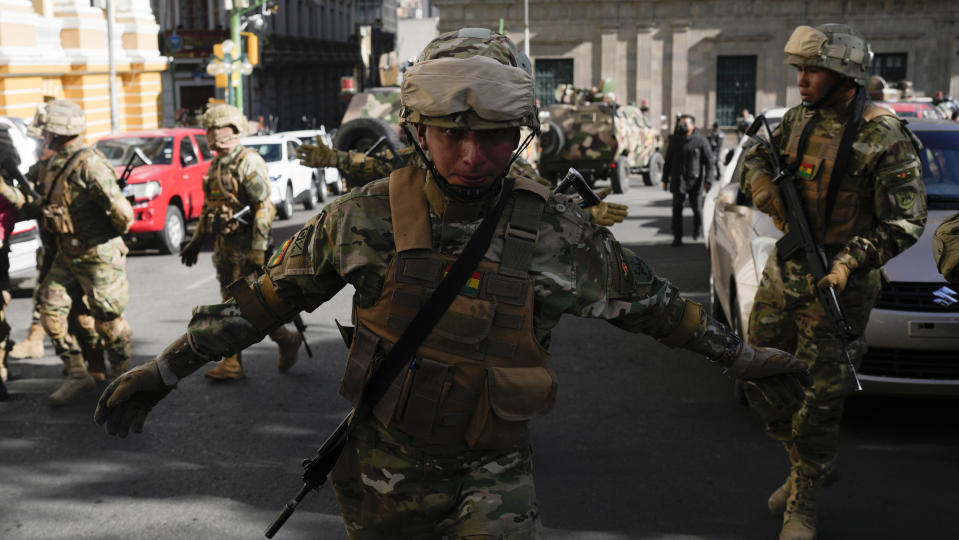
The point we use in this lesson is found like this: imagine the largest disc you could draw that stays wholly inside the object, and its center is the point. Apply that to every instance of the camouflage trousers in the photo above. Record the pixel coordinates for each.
(100, 273)
(81, 322)
(388, 489)
(229, 261)
(787, 315)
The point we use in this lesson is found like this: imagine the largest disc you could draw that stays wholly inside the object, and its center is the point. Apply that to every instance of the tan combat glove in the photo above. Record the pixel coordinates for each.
(317, 156)
(776, 377)
(255, 257)
(766, 198)
(838, 275)
(608, 214)
(126, 402)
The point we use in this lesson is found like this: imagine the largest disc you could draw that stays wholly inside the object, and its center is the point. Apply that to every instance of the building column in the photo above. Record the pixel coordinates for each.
(680, 70)
(649, 72)
(141, 87)
(613, 61)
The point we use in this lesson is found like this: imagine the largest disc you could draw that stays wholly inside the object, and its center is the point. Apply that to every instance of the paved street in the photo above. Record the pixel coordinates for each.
(644, 442)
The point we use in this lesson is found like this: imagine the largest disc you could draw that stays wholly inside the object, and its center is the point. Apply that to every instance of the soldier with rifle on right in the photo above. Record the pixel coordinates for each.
(857, 178)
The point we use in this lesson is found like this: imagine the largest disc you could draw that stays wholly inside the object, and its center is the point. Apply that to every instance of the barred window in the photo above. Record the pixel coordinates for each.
(735, 87)
(550, 73)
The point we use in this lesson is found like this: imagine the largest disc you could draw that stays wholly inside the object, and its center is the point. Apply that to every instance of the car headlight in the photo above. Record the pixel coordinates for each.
(761, 248)
(143, 191)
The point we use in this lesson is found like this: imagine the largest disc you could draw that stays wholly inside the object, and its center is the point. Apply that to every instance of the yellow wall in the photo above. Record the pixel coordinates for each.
(69, 61)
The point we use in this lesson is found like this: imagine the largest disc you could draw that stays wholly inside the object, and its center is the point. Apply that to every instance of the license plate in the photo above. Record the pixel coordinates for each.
(934, 329)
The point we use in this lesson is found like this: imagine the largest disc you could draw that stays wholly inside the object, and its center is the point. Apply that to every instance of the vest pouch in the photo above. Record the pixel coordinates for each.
(366, 355)
(467, 321)
(56, 218)
(512, 397)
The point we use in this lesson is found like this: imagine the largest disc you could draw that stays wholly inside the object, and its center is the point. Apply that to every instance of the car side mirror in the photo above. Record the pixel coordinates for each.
(728, 157)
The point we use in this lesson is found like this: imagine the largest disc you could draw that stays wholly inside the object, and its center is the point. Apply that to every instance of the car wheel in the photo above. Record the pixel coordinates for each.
(338, 187)
(285, 209)
(174, 231)
(314, 196)
(654, 173)
(620, 177)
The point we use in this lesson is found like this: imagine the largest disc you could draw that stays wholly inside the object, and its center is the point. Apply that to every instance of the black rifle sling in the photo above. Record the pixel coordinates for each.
(431, 312)
(856, 109)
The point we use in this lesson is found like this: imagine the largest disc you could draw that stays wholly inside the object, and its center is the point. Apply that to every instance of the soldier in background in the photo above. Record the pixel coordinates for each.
(362, 169)
(945, 249)
(878, 211)
(237, 179)
(85, 213)
(81, 322)
(457, 431)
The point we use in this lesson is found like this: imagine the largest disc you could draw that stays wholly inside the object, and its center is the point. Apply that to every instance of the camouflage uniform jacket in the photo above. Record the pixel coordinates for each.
(577, 268)
(97, 209)
(884, 165)
(252, 178)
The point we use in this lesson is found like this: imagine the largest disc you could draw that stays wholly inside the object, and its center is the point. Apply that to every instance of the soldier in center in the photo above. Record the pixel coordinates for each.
(237, 180)
(446, 452)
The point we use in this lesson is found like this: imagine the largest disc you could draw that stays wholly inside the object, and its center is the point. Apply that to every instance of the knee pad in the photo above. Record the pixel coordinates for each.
(54, 324)
(114, 330)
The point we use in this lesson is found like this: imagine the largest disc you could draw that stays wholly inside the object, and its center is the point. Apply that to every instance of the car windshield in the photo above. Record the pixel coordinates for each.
(940, 167)
(268, 151)
(118, 151)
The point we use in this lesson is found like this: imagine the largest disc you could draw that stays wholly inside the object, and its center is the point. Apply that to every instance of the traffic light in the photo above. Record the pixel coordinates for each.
(252, 47)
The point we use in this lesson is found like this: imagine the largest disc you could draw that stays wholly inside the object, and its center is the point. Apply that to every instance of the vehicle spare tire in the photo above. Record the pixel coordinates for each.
(361, 133)
(551, 140)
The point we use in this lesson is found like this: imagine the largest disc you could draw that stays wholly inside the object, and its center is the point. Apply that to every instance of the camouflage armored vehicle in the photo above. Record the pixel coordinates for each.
(370, 115)
(601, 140)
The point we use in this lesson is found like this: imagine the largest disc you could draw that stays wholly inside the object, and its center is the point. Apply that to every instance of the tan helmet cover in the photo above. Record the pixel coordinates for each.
(35, 129)
(474, 93)
(221, 115)
(64, 117)
(836, 47)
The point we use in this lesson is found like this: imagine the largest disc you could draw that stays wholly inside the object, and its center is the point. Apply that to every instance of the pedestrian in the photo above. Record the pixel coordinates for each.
(362, 168)
(866, 158)
(448, 452)
(689, 168)
(236, 181)
(85, 213)
(743, 122)
(716, 137)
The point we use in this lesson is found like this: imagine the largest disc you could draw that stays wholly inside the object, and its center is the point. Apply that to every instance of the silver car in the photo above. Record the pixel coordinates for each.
(913, 334)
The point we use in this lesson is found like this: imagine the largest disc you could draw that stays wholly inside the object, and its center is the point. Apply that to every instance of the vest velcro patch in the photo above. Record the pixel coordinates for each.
(277, 257)
(805, 171)
(471, 288)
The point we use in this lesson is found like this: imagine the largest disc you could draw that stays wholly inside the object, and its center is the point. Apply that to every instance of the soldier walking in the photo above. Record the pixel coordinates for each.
(865, 202)
(85, 213)
(454, 424)
(236, 180)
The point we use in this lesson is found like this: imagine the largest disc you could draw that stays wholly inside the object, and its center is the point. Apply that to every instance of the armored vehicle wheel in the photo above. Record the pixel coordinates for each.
(654, 173)
(362, 133)
(551, 140)
(620, 176)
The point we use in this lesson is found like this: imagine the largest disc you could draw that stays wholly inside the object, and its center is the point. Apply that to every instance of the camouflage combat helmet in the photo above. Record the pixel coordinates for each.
(836, 47)
(35, 129)
(222, 115)
(471, 78)
(64, 117)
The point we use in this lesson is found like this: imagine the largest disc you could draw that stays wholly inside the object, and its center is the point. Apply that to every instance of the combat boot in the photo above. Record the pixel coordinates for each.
(32, 347)
(77, 381)
(288, 342)
(777, 501)
(799, 519)
(95, 364)
(230, 368)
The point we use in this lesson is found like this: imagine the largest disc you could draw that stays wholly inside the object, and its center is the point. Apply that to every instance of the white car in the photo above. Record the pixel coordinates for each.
(335, 182)
(290, 182)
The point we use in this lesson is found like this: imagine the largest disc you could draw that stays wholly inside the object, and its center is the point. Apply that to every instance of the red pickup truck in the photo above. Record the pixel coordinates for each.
(166, 193)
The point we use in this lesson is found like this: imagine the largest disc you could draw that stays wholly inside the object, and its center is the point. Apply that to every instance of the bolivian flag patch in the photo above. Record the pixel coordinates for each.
(471, 288)
(804, 171)
(277, 257)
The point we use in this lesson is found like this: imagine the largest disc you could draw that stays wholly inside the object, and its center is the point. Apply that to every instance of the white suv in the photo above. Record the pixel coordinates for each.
(290, 182)
(330, 177)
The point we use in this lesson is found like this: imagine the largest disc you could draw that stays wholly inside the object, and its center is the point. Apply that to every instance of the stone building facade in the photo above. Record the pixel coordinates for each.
(59, 48)
(711, 58)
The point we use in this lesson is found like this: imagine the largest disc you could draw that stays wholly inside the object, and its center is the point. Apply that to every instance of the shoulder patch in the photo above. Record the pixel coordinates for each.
(279, 254)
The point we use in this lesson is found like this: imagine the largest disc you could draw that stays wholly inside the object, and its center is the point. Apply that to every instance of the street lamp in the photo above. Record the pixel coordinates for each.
(230, 62)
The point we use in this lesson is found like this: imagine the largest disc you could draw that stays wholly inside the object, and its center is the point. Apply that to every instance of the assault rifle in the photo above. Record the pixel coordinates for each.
(137, 154)
(16, 179)
(575, 179)
(800, 238)
(396, 161)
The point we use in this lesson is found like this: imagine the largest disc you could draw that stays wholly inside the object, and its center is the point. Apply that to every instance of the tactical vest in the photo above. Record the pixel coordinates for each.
(481, 374)
(851, 212)
(222, 192)
(77, 226)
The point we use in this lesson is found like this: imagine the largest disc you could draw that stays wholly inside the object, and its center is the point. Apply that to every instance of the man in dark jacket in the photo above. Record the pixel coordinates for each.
(689, 165)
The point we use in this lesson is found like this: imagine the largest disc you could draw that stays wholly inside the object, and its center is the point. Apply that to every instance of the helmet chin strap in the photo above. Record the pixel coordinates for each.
(828, 95)
(459, 191)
